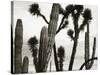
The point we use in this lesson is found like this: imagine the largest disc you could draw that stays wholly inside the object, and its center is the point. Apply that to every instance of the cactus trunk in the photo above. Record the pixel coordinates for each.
(43, 50)
(87, 53)
(25, 65)
(86, 50)
(18, 46)
(94, 50)
(52, 29)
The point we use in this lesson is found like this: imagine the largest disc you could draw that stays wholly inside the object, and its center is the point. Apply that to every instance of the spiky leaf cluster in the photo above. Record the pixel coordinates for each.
(34, 9)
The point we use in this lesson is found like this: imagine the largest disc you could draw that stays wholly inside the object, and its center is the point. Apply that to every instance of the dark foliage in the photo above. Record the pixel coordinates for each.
(61, 53)
(87, 14)
(79, 8)
(70, 33)
(34, 9)
(33, 45)
(87, 17)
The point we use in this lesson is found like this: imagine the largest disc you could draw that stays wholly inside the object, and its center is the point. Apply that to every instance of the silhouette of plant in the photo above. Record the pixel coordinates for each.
(35, 10)
(32, 42)
(76, 13)
(61, 55)
(33, 45)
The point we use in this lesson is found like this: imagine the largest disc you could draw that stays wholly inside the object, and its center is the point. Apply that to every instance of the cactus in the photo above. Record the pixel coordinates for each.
(90, 61)
(43, 49)
(25, 65)
(19, 67)
(87, 49)
(18, 46)
(52, 29)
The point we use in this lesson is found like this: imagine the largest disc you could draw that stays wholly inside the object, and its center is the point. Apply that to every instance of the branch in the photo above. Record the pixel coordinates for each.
(44, 18)
(92, 59)
(60, 25)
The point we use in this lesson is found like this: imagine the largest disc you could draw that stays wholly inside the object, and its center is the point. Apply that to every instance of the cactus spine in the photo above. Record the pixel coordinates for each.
(43, 49)
(18, 46)
(52, 28)
(25, 65)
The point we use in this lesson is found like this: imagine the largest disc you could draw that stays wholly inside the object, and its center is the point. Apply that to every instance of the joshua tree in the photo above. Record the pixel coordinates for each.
(61, 55)
(35, 10)
(32, 42)
(76, 13)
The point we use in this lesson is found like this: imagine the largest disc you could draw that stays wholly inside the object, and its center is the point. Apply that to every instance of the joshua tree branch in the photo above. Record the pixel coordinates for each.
(92, 59)
(44, 18)
(60, 25)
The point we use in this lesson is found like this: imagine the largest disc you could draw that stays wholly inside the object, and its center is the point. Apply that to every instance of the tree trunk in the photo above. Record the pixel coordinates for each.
(73, 52)
(55, 58)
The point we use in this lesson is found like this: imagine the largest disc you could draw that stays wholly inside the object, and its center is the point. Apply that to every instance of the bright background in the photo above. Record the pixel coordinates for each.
(5, 35)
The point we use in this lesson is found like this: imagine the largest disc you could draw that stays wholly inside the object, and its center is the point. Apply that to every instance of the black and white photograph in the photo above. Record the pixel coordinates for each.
(53, 37)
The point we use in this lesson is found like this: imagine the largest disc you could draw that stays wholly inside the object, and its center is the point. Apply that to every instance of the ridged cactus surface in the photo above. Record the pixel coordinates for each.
(18, 46)
(25, 65)
(43, 49)
(86, 50)
(52, 28)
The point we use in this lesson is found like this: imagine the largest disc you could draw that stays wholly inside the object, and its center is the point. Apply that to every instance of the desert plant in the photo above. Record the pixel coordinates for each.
(43, 50)
(61, 55)
(52, 28)
(25, 65)
(39, 56)
(19, 67)
(35, 10)
(87, 53)
(18, 46)
(33, 42)
(76, 13)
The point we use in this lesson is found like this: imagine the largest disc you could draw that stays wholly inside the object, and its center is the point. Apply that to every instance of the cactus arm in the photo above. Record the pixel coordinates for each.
(92, 59)
(93, 53)
(25, 65)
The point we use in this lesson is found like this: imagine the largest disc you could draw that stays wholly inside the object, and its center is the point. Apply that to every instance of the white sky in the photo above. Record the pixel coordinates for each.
(32, 26)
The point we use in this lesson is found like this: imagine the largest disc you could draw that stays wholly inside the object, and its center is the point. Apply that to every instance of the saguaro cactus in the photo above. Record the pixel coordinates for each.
(25, 65)
(18, 46)
(52, 28)
(43, 49)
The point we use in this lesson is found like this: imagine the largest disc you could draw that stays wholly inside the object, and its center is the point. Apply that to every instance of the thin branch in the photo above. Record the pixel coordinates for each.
(92, 59)
(60, 25)
(44, 18)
